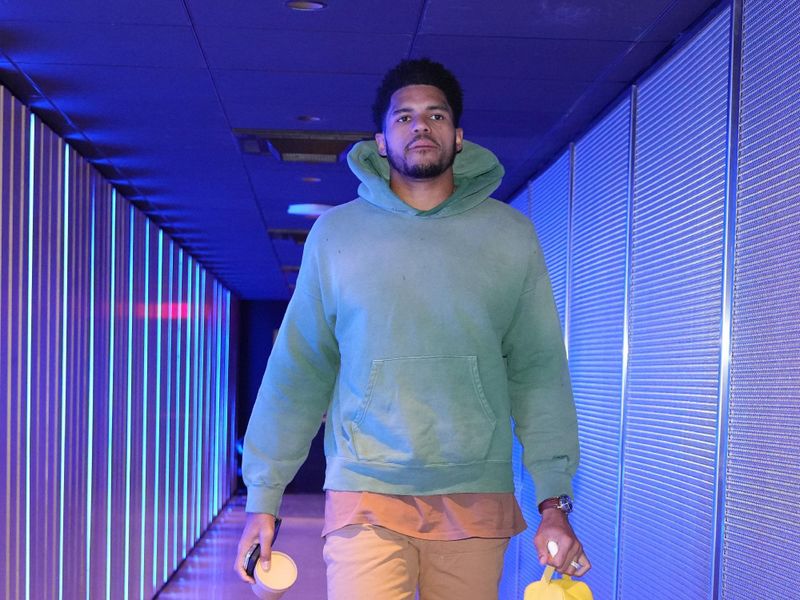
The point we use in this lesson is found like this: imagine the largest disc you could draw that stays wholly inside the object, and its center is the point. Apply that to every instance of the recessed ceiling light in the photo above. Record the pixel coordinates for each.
(312, 179)
(309, 118)
(308, 210)
(305, 6)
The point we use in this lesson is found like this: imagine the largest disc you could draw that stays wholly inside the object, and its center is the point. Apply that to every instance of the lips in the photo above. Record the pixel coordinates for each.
(422, 144)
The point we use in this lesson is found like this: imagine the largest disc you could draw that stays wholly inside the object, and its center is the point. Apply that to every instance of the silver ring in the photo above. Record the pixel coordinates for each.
(576, 565)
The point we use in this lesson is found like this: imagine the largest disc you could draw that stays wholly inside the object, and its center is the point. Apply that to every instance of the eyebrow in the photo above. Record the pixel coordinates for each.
(442, 107)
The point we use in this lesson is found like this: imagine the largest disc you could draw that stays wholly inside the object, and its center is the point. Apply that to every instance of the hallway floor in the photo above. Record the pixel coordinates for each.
(208, 572)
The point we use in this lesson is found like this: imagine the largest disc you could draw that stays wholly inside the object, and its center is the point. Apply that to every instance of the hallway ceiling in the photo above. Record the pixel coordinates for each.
(151, 92)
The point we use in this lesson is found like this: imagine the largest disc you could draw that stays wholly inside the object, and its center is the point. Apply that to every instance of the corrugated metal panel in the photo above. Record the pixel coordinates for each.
(598, 278)
(13, 356)
(763, 477)
(522, 201)
(675, 312)
(550, 214)
(44, 341)
(82, 307)
(549, 202)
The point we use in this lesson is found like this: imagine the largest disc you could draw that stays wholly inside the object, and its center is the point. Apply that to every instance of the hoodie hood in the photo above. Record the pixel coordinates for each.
(477, 173)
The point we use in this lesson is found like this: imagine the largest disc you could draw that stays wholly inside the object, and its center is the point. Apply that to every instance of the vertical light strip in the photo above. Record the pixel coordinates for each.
(110, 412)
(568, 268)
(187, 390)
(230, 408)
(625, 336)
(145, 419)
(218, 412)
(148, 315)
(64, 346)
(29, 355)
(167, 459)
(90, 408)
(129, 407)
(726, 333)
(199, 396)
(178, 394)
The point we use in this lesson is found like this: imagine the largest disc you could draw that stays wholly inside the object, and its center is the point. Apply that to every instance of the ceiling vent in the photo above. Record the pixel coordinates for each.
(299, 146)
(298, 236)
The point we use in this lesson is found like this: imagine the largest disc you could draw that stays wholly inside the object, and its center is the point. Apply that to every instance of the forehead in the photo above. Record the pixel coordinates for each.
(415, 96)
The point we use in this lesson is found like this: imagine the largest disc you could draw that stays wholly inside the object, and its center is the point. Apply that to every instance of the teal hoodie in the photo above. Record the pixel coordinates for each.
(421, 335)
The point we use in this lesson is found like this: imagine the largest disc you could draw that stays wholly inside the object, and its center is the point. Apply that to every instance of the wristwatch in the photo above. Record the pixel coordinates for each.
(562, 503)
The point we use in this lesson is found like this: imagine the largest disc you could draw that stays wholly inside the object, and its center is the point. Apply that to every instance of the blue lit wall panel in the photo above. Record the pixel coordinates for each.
(764, 406)
(549, 205)
(508, 584)
(42, 406)
(598, 277)
(91, 409)
(549, 202)
(675, 314)
(14, 182)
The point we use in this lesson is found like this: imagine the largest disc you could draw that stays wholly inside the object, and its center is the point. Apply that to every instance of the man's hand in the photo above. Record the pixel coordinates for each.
(259, 528)
(556, 528)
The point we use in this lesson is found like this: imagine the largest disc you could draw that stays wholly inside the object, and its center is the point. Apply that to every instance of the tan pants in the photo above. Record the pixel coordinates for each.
(372, 563)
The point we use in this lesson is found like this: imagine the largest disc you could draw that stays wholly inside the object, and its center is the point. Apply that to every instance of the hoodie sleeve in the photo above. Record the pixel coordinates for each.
(294, 393)
(541, 394)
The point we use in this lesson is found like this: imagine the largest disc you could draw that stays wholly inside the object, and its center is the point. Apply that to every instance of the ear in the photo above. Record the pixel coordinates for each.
(459, 139)
(380, 140)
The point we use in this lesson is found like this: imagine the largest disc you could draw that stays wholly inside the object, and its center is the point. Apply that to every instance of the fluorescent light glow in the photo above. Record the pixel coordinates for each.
(159, 368)
(305, 5)
(145, 420)
(308, 210)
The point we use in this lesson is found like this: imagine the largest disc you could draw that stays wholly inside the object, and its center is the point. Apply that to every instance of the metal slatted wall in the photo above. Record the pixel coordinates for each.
(549, 206)
(116, 408)
(598, 277)
(669, 475)
(510, 586)
(13, 359)
(763, 477)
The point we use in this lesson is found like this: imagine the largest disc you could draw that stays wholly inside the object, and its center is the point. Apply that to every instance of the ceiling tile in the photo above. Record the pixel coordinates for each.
(621, 20)
(326, 52)
(102, 44)
(352, 16)
(154, 12)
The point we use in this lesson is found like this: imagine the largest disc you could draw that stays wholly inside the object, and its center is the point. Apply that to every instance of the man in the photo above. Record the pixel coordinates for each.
(423, 321)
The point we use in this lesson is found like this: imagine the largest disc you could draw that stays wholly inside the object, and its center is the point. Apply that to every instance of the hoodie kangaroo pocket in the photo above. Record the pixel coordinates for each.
(421, 411)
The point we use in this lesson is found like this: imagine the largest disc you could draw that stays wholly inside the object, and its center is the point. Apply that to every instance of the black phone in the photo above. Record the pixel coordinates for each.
(253, 554)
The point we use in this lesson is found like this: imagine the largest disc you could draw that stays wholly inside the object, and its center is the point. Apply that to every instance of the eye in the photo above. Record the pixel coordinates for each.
(404, 119)
(437, 117)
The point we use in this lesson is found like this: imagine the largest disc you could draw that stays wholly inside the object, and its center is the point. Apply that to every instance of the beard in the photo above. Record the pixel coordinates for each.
(423, 170)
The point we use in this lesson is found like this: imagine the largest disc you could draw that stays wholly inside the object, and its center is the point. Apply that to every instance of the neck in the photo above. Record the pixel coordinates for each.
(422, 194)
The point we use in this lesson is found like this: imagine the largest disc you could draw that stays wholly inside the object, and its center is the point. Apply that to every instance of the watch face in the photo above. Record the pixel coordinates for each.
(565, 504)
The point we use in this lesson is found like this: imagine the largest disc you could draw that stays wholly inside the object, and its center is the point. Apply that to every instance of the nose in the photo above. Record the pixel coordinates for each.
(421, 124)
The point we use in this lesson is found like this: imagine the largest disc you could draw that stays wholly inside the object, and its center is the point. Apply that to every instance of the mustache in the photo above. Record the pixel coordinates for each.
(419, 138)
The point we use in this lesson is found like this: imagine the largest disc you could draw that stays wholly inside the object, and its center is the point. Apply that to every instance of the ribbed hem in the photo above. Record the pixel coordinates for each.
(345, 475)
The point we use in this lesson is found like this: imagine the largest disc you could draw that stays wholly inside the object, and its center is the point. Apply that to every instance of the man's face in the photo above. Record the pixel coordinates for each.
(419, 137)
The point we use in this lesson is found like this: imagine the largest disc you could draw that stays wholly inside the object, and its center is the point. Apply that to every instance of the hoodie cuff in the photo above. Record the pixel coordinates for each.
(551, 484)
(263, 500)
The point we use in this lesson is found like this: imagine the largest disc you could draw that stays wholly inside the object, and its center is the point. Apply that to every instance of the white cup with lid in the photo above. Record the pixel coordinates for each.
(272, 584)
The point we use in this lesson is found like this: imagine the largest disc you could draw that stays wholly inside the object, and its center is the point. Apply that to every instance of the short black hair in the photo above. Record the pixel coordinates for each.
(420, 71)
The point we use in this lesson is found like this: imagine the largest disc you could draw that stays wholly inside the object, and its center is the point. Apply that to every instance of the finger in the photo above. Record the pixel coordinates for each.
(582, 560)
(265, 535)
(567, 550)
(239, 567)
